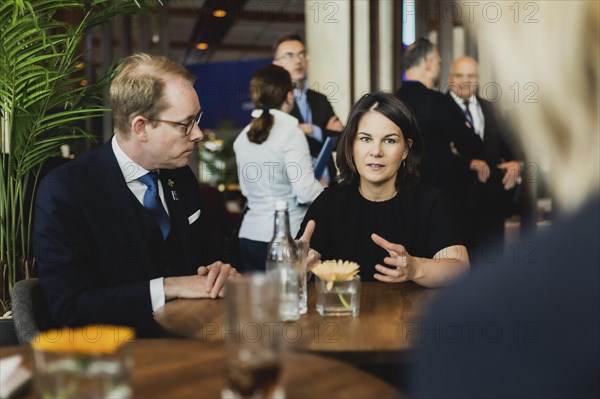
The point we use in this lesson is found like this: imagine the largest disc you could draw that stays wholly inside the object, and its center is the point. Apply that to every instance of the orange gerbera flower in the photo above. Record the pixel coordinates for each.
(92, 340)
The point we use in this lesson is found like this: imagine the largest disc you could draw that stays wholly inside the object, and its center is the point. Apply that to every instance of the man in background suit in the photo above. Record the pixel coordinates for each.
(449, 143)
(120, 230)
(312, 109)
(495, 172)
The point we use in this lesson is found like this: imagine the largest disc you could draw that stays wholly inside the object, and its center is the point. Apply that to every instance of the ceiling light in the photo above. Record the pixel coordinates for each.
(219, 13)
(202, 46)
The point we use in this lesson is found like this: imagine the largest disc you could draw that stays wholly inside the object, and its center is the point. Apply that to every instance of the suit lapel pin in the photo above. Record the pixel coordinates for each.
(171, 184)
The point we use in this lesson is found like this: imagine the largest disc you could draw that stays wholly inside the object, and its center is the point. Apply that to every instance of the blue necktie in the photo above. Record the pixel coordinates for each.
(153, 203)
(468, 114)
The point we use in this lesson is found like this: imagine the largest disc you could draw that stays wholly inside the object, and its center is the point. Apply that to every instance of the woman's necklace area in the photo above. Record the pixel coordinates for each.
(382, 199)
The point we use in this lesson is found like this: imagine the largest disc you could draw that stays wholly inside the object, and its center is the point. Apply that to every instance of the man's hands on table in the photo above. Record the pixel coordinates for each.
(208, 283)
(210, 280)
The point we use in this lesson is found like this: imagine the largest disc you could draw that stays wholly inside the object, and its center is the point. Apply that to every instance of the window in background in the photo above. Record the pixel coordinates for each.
(408, 22)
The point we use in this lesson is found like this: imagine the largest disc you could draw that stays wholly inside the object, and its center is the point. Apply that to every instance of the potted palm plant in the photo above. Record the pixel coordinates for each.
(42, 106)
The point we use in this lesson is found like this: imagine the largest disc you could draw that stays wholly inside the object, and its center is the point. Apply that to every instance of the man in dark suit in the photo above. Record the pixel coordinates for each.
(120, 230)
(495, 172)
(449, 143)
(312, 109)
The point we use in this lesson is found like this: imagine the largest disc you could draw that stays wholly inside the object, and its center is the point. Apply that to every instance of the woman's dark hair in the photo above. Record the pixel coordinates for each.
(269, 88)
(395, 110)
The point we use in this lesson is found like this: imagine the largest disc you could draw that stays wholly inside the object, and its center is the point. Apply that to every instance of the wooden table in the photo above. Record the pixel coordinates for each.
(385, 329)
(175, 368)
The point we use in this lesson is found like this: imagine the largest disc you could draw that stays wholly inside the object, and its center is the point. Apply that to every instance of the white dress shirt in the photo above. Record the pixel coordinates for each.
(475, 110)
(131, 172)
(280, 168)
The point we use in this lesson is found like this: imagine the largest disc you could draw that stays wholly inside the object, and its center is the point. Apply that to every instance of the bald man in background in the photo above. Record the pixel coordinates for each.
(495, 172)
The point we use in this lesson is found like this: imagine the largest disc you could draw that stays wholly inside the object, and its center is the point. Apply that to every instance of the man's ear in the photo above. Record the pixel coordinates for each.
(428, 62)
(138, 127)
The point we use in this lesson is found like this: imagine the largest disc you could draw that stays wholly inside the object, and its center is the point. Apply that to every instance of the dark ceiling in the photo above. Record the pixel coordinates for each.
(246, 32)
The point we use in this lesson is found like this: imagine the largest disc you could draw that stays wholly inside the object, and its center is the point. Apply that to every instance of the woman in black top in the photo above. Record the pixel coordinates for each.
(380, 216)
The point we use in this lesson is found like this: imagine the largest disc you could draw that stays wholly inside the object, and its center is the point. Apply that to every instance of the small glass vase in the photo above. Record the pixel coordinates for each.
(342, 299)
(66, 376)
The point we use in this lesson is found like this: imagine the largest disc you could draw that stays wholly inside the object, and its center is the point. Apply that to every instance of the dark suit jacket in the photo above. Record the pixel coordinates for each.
(487, 204)
(439, 125)
(96, 246)
(321, 111)
(495, 148)
(527, 327)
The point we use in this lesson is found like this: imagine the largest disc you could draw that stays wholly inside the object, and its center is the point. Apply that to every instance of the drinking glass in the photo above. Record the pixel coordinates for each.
(253, 338)
(77, 376)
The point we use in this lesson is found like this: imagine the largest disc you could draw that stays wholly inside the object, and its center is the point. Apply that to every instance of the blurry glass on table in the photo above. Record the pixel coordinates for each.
(253, 338)
(84, 363)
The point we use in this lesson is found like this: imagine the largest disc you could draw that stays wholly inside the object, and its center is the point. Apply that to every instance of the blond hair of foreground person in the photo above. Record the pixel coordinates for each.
(560, 125)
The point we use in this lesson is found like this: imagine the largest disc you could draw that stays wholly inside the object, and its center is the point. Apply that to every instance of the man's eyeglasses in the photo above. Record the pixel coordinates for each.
(290, 56)
(186, 126)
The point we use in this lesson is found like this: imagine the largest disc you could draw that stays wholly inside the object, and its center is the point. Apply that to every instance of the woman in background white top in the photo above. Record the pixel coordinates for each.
(274, 163)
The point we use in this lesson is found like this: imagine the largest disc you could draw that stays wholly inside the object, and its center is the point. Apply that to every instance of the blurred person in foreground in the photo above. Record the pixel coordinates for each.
(274, 164)
(380, 216)
(120, 230)
(530, 329)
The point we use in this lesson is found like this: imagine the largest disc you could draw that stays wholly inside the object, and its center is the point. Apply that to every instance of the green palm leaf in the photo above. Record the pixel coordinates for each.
(41, 103)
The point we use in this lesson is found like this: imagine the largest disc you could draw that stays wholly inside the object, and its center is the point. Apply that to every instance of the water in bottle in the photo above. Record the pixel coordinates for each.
(283, 261)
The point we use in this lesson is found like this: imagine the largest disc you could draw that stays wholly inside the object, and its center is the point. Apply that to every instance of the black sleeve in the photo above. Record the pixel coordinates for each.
(507, 144)
(442, 228)
(321, 110)
(509, 147)
(453, 125)
(319, 211)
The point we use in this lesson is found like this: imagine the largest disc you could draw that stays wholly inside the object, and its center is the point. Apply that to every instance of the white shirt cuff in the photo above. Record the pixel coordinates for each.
(157, 293)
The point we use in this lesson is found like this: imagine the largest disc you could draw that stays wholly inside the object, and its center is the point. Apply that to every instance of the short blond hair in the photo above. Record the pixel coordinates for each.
(138, 86)
(561, 125)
